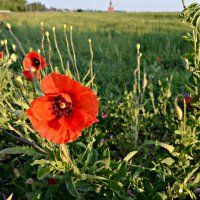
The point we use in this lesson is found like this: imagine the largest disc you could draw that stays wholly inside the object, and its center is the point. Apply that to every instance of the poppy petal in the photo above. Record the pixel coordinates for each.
(57, 83)
(54, 130)
(78, 120)
(41, 108)
(29, 75)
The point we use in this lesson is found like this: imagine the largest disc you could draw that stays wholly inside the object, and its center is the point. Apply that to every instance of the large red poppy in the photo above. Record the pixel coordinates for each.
(64, 111)
(32, 63)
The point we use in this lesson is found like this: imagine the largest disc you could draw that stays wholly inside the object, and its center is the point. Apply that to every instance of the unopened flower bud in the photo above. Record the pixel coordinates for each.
(71, 28)
(8, 26)
(39, 51)
(57, 70)
(145, 81)
(2, 42)
(29, 181)
(179, 112)
(90, 41)
(16, 172)
(17, 81)
(14, 47)
(41, 24)
(5, 42)
(138, 46)
(47, 34)
(54, 28)
(65, 27)
(13, 57)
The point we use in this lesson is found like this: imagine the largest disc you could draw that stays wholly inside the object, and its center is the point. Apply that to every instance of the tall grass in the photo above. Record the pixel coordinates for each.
(114, 37)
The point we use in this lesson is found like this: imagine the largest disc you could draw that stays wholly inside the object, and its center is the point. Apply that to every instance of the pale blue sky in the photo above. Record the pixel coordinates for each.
(127, 5)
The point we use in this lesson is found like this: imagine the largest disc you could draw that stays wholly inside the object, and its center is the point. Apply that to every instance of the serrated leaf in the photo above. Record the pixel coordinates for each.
(19, 150)
(94, 177)
(40, 162)
(130, 155)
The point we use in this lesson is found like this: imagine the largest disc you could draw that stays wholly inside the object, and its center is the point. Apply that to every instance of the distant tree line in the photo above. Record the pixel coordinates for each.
(21, 5)
(36, 6)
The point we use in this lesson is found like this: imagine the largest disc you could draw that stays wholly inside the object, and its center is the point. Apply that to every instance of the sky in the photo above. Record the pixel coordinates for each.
(125, 5)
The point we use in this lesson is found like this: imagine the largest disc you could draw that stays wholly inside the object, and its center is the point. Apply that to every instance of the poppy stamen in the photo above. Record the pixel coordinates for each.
(61, 106)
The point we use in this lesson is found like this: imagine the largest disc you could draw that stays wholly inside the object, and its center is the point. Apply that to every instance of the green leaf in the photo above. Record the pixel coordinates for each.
(40, 162)
(168, 147)
(83, 186)
(130, 155)
(91, 157)
(42, 172)
(168, 161)
(19, 150)
(189, 175)
(70, 187)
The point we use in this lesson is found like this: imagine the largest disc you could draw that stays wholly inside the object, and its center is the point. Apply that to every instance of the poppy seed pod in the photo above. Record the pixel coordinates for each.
(17, 81)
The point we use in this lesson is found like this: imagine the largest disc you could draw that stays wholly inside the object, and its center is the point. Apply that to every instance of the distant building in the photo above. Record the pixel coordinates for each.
(110, 7)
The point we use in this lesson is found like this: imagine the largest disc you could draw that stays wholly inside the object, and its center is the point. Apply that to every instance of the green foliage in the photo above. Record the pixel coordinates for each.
(142, 147)
(17, 5)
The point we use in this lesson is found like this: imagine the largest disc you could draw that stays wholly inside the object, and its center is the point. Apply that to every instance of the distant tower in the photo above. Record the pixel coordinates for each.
(110, 7)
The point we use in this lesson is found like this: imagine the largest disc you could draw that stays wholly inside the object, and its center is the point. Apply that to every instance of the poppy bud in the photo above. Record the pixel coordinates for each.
(41, 24)
(54, 28)
(14, 47)
(138, 47)
(13, 57)
(29, 181)
(90, 41)
(2, 42)
(16, 172)
(8, 26)
(5, 42)
(145, 81)
(17, 81)
(71, 28)
(47, 34)
(65, 27)
(179, 112)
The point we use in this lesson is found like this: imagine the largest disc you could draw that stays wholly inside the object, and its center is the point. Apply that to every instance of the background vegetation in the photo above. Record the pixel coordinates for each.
(114, 37)
(146, 143)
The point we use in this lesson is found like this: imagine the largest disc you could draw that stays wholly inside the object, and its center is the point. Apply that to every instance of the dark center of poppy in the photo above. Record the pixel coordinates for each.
(61, 106)
(36, 63)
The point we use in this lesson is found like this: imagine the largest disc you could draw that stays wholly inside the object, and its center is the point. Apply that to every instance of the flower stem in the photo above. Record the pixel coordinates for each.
(57, 49)
(66, 158)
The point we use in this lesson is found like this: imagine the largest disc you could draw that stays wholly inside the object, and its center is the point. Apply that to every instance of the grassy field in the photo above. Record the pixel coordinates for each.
(114, 37)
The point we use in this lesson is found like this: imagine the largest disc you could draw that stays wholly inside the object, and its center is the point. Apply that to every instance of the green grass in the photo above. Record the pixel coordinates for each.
(114, 37)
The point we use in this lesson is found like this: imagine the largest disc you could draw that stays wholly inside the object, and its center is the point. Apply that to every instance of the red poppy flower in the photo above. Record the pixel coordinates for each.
(64, 111)
(51, 181)
(1, 55)
(158, 59)
(32, 63)
(187, 100)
